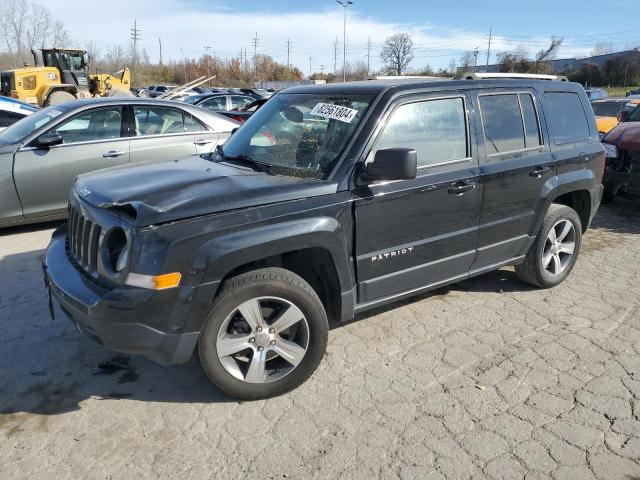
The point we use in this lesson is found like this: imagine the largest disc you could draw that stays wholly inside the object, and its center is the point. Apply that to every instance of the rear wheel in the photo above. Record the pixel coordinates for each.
(56, 98)
(555, 250)
(265, 334)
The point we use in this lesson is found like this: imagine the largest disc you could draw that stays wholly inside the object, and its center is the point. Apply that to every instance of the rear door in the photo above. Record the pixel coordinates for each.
(412, 234)
(161, 133)
(93, 139)
(515, 162)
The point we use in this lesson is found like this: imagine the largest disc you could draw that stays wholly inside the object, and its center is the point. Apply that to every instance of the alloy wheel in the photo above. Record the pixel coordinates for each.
(263, 340)
(559, 247)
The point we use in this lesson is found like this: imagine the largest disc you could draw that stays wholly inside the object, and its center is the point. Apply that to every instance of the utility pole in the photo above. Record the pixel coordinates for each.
(207, 49)
(489, 49)
(310, 60)
(475, 58)
(322, 69)
(368, 56)
(160, 45)
(345, 4)
(288, 58)
(335, 57)
(255, 55)
(135, 35)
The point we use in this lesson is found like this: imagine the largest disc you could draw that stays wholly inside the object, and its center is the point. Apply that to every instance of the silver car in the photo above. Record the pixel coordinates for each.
(42, 154)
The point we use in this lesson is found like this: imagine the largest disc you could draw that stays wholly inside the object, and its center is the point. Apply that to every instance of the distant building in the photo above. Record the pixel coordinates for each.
(567, 64)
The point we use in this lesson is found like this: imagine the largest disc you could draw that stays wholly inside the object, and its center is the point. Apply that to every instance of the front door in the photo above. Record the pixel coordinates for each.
(415, 234)
(92, 140)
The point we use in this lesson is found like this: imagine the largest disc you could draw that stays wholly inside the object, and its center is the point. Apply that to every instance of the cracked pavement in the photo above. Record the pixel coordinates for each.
(487, 379)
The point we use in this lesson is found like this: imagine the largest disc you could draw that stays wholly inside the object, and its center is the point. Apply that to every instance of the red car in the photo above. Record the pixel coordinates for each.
(622, 147)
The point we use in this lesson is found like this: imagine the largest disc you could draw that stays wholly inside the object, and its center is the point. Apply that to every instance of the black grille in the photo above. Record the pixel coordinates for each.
(84, 237)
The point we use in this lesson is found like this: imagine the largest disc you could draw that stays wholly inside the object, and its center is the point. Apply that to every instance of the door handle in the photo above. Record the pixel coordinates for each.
(202, 142)
(458, 188)
(539, 171)
(113, 154)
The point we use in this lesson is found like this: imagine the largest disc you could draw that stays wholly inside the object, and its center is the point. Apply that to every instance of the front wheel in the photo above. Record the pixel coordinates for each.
(265, 334)
(555, 249)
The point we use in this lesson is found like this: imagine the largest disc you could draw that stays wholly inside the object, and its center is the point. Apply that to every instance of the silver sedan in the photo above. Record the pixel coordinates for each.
(42, 154)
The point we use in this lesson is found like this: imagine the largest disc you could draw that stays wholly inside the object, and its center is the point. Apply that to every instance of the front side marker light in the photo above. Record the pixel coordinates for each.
(154, 282)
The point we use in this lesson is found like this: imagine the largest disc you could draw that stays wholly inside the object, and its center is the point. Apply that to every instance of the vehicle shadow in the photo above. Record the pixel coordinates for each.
(32, 227)
(49, 368)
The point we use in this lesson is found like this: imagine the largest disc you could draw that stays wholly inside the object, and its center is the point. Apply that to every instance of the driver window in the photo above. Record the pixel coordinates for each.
(98, 124)
(436, 129)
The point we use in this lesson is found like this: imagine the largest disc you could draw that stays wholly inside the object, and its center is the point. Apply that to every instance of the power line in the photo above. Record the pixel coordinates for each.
(134, 35)
(255, 54)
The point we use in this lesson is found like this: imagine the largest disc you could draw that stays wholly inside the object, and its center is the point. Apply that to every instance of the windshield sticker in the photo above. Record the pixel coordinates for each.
(54, 113)
(335, 112)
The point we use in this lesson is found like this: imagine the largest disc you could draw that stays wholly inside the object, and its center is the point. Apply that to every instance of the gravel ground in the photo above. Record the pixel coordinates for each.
(487, 379)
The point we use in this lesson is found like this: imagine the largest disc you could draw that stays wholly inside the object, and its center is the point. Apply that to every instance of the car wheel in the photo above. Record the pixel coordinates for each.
(266, 334)
(57, 98)
(555, 249)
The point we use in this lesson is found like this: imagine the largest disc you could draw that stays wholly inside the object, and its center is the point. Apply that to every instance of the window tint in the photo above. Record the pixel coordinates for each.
(238, 101)
(566, 116)
(192, 125)
(9, 118)
(99, 124)
(531, 129)
(436, 129)
(157, 121)
(502, 122)
(216, 104)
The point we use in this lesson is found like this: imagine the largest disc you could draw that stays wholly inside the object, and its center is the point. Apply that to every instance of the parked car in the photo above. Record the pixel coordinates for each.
(41, 154)
(154, 91)
(219, 103)
(622, 146)
(371, 192)
(608, 112)
(243, 113)
(596, 93)
(12, 110)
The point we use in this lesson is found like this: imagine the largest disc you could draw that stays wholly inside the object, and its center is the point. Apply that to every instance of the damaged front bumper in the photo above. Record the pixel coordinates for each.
(161, 325)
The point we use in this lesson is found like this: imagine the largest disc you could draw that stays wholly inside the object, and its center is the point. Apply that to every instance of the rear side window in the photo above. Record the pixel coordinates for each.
(436, 129)
(9, 118)
(158, 121)
(567, 117)
(510, 122)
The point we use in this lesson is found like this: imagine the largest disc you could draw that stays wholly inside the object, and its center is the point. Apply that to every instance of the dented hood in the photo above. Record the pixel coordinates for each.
(153, 193)
(625, 136)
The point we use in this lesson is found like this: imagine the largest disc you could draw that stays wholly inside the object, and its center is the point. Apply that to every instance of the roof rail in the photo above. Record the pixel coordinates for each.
(503, 76)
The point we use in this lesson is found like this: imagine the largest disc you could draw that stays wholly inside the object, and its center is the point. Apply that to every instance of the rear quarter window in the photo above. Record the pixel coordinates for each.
(567, 118)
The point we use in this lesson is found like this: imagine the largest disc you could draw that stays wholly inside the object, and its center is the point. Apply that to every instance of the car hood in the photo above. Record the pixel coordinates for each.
(625, 136)
(154, 193)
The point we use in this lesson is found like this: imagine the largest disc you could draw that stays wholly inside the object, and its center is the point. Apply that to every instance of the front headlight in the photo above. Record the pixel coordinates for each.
(611, 151)
(116, 249)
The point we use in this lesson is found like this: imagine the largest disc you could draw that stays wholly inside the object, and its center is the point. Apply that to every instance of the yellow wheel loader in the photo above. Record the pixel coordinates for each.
(63, 76)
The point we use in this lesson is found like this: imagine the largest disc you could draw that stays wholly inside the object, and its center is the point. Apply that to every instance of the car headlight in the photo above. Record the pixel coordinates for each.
(116, 250)
(611, 151)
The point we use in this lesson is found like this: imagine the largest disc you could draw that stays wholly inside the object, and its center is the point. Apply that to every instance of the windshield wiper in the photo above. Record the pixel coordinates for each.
(246, 160)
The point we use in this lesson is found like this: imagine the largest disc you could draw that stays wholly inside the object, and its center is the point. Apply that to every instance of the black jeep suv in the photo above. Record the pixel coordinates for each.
(329, 201)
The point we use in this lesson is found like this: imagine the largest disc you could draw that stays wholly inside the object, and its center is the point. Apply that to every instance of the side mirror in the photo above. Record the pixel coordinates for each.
(393, 164)
(622, 116)
(48, 139)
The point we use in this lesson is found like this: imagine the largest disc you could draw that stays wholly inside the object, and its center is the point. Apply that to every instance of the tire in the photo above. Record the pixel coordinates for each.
(58, 97)
(275, 291)
(559, 262)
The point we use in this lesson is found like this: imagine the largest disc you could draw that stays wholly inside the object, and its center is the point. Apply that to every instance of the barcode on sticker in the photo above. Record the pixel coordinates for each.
(335, 112)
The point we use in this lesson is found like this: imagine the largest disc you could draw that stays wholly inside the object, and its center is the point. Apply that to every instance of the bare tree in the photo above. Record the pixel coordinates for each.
(25, 26)
(397, 52)
(602, 48)
(468, 59)
(544, 56)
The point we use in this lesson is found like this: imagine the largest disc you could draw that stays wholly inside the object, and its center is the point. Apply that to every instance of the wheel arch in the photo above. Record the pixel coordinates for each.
(316, 249)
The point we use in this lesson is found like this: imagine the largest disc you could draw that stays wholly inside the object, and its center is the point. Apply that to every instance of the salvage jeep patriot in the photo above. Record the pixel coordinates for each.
(329, 201)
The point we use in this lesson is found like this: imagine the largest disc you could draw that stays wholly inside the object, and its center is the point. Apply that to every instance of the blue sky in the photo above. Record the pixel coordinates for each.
(442, 29)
